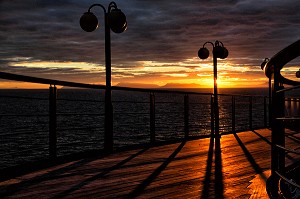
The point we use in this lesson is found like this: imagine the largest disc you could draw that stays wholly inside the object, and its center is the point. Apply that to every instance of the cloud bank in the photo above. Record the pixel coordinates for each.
(161, 32)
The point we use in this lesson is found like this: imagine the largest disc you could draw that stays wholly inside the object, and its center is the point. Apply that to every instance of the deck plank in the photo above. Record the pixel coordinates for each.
(235, 167)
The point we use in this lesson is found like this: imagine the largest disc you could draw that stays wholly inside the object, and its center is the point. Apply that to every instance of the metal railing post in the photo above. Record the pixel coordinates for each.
(109, 121)
(250, 112)
(233, 114)
(152, 118)
(52, 123)
(212, 118)
(186, 116)
(280, 131)
(265, 112)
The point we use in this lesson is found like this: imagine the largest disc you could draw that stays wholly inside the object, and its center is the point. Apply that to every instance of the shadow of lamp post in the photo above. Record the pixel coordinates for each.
(219, 51)
(115, 20)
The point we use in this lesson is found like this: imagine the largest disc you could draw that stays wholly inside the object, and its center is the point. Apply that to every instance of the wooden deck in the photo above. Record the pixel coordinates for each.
(234, 166)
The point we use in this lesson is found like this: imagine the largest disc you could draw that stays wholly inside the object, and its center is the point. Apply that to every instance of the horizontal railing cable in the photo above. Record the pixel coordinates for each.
(78, 100)
(20, 97)
(24, 115)
(24, 132)
(288, 149)
(132, 113)
(288, 89)
(25, 151)
(79, 114)
(77, 128)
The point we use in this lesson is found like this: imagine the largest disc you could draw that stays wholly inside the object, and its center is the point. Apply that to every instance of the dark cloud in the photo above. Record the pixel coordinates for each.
(161, 31)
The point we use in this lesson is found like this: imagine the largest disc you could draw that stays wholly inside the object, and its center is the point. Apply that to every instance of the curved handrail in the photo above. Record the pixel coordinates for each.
(282, 58)
(272, 69)
(287, 180)
(288, 89)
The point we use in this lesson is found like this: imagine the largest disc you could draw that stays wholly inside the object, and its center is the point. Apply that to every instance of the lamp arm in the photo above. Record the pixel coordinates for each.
(208, 42)
(97, 5)
(217, 42)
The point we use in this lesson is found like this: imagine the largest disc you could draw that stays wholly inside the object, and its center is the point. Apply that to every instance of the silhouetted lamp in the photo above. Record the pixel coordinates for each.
(219, 51)
(264, 63)
(115, 20)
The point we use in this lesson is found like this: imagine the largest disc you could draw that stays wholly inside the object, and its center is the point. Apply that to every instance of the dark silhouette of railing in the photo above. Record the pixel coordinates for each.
(167, 115)
(284, 180)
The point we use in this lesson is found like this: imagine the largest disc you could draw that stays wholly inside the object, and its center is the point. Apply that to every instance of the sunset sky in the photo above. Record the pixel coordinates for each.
(43, 38)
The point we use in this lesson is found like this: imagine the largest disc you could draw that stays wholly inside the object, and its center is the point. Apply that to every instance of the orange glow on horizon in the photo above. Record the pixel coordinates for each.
(190, 73)
(23, 85)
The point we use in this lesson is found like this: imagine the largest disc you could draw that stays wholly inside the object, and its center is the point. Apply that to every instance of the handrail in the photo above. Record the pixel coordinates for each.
(24, 78)
(280, 59)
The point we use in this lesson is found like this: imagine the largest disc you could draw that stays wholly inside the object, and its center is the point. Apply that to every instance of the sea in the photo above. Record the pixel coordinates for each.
(24, 120)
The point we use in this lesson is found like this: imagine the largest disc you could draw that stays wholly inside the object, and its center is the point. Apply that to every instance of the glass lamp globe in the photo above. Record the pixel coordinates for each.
(88, 22)
(117, 21)
(203, 53)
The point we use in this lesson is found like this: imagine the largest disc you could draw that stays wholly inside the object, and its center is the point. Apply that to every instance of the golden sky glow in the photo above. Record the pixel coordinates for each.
(54, 65)
(193, 71)
(190, 73)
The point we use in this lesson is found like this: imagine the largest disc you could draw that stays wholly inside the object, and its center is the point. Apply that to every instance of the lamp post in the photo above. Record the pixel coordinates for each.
(263, 64)
(115, 20)
(219, 51)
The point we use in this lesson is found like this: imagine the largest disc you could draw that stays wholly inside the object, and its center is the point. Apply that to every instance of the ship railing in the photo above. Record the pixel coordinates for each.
(284, 122)
(52, 126)
(287, 157)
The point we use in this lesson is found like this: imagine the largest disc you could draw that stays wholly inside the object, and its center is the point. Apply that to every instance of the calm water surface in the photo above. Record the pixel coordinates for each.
(81, 117)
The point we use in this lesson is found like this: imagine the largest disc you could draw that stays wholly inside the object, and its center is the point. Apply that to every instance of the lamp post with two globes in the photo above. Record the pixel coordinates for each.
(115, 20)
(219, 51)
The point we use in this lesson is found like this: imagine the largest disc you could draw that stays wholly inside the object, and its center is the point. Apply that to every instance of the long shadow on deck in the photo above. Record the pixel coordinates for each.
(250, 158)
(213, 185)
(141, 187)
(59, 173)
(219, 184)
(100, 175)
(208, 170)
